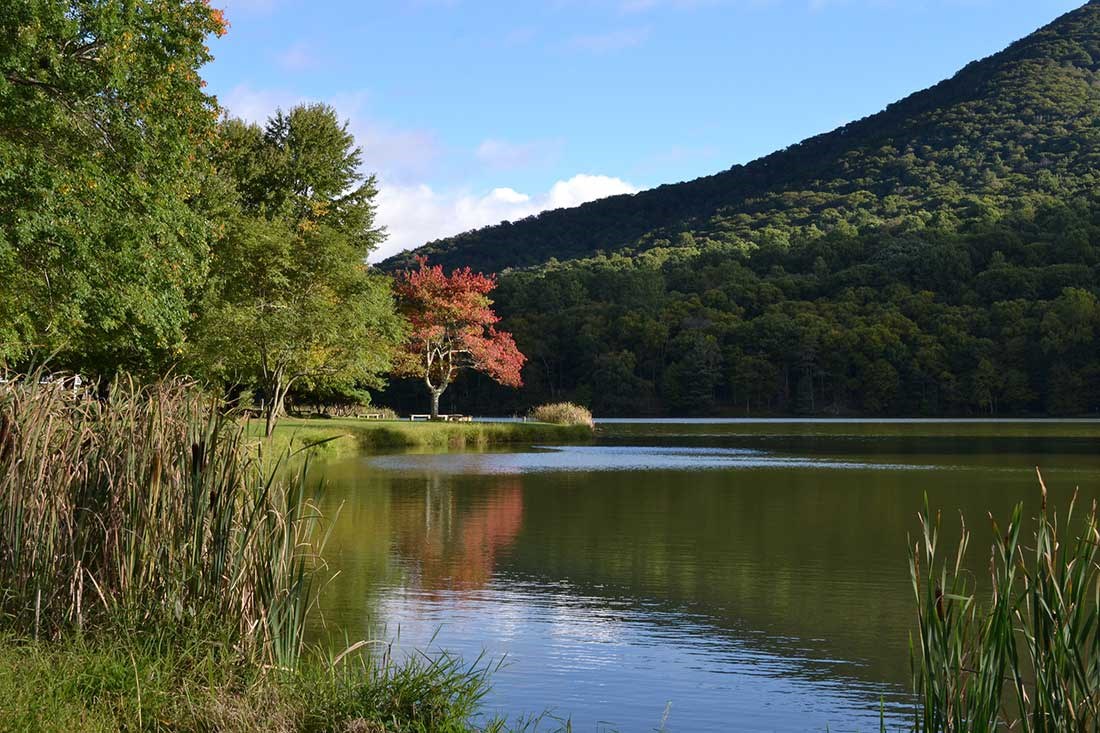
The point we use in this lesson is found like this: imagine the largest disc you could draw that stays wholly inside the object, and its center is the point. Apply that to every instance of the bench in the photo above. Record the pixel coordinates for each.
(443, 418)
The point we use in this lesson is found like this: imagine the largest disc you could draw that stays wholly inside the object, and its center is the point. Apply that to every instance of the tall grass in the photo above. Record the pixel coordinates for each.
(563, 413)
(1028, 657)
(142, 510)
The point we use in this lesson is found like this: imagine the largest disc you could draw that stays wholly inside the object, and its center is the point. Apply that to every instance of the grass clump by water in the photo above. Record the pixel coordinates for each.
(1028, 657)
(563, 413)
(155, 575)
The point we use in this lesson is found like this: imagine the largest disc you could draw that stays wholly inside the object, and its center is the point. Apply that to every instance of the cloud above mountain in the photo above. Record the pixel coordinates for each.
(416, 214)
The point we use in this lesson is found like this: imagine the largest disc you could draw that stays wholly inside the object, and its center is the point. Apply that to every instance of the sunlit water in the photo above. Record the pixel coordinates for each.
(699, 576)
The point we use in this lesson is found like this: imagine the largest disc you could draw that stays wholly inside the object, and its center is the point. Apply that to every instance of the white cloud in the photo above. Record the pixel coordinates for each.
(396, 154)
(583, 188)
(414, 215)
(256, 105)
(616, 40)
(509, 196)
(505, 155)
(298, 57)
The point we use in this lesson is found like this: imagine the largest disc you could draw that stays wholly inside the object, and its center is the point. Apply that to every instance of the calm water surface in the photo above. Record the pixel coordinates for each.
(711, 575)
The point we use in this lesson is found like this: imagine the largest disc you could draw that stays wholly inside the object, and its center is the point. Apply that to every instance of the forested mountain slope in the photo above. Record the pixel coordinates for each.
(939, 258)
(1020, 123)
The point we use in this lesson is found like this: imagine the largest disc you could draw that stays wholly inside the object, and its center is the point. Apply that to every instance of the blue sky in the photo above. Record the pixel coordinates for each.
(474, 111)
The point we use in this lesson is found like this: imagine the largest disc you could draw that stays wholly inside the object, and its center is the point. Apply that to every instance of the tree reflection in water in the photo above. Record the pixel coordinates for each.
(451, 545)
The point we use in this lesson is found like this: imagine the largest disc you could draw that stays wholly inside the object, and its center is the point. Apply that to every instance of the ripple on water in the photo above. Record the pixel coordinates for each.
(619, 458)
(594, 654)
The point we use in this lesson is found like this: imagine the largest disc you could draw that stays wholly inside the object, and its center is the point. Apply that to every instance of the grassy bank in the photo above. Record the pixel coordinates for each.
(155, 576)
(349, 435)
(133, 681)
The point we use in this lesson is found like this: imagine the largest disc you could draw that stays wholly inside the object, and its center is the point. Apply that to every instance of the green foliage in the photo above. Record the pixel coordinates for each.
(292, 303)
(1029, 657)
(157, 682)
(740, 332)
(137, 234)
(938, 258)
(102, 180)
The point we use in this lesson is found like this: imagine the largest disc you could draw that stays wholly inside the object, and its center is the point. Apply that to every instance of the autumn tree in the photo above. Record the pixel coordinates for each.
(293, 302)
(452, 327)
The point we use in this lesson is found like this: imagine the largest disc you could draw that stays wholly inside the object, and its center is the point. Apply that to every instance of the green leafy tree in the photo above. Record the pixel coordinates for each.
(103, 121)
(880, 385)
(615, 388)
(753, 380)
(691, 379)
(293, 303)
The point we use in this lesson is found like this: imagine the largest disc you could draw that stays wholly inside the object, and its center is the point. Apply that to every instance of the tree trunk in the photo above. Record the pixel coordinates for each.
(436, 393)
(269, 424)
(274, 408)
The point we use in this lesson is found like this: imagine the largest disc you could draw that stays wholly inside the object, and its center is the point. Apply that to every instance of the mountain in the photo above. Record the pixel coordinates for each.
(1019, 123)
(941, 257)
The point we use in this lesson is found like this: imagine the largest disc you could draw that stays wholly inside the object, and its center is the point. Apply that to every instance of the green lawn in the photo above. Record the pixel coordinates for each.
(350, 435)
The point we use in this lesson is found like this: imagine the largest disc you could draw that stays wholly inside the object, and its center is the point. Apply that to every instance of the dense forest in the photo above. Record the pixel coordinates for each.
(938, 258)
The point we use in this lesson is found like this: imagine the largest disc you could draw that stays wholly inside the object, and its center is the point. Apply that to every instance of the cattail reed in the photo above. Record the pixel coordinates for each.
(145, 508)
(1028, 657)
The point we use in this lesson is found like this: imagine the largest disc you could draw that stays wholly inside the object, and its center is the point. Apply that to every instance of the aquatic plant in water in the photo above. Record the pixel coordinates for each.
(1027, 657)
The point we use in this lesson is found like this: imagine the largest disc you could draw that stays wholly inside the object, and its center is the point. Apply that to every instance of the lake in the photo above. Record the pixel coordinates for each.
(695, 575)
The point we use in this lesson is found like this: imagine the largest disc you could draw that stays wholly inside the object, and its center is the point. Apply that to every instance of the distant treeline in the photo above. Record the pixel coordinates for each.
(989, 318)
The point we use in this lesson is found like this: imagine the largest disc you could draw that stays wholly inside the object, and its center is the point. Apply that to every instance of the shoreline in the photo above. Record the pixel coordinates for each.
(341, 437)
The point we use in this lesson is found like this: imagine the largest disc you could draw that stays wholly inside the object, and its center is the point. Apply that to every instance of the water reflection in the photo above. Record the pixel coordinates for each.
(445, 544)
(766, 590)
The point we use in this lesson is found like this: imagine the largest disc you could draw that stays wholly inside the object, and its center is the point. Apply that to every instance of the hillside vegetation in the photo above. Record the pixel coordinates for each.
(939, 257)
(1003, 134)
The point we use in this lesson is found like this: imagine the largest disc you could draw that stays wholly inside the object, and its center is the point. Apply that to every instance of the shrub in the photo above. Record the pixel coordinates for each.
(562, 413)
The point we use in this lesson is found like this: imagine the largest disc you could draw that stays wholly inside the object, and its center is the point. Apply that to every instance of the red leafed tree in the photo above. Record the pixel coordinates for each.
(452, 327)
